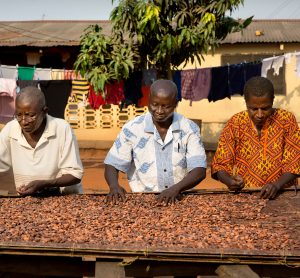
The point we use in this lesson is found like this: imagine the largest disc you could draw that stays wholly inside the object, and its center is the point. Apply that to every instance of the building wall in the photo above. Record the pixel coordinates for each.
(92, 131)
(215, 114)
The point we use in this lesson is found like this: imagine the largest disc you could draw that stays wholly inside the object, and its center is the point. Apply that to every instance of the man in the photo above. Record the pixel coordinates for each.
(259, 147)
(160, 151)
(41, 150)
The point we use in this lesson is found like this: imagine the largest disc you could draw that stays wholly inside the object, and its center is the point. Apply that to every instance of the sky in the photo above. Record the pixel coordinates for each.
(100, 9)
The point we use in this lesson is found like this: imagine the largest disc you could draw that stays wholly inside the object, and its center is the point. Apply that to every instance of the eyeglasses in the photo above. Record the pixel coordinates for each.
(26, 117)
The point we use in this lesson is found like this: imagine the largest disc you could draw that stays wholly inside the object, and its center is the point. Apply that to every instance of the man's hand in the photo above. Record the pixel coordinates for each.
(236, 183)
(30, 188)
(269, 191)
(116, 195)
(168, 196)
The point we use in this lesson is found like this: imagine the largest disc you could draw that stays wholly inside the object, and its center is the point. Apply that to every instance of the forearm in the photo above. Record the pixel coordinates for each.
(111, 175)
(224, 177)
(63, 181)
(284, 179)
(193, 178)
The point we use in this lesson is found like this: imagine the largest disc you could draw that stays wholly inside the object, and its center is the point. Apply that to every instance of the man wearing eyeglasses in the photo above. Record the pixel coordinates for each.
(41, 150)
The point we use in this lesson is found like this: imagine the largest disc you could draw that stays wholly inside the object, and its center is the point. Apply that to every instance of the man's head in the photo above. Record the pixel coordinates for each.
(162, 100)
(259, 97)
(30, 109)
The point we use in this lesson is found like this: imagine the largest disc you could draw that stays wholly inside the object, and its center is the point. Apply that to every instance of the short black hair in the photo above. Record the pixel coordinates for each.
(33, 94)
(258, 86)
(167, 85)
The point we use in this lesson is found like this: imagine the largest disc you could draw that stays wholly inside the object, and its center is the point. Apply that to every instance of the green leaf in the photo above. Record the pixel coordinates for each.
(169, 42)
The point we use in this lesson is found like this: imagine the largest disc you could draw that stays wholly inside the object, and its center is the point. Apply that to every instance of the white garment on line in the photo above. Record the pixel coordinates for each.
(266, 65)
(277, 64)
(9, 72)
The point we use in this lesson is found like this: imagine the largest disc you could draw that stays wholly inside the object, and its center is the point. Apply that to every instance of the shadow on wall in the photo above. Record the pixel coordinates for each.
(286, 101)
(210, 134)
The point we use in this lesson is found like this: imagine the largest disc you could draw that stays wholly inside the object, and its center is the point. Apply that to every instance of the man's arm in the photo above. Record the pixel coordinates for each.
(270, 190)
(116, 192)
(38, 185)
(194, 177)
(234, 183)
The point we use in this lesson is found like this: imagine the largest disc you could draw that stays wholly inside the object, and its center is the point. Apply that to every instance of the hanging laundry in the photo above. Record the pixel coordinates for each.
(177, 81)
(80, 91)
(287, 57)
(201, 84)
(7, 99)
(72, 75)
(132, 89)
(25, 73)
(95, 100)
(144, 100)
(236, 78)
(57, 74)
(219, 84)
(187, 79)
(266, 66)
(115, 93)
(42, 74)
(9, 72)
(149, 76)
(252, 69)
(277, 64)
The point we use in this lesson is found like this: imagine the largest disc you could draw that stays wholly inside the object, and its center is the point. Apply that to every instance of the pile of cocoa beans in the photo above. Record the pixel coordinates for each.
(208, 221)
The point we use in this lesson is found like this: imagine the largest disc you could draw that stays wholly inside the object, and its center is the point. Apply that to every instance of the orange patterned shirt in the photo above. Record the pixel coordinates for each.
(259, 160)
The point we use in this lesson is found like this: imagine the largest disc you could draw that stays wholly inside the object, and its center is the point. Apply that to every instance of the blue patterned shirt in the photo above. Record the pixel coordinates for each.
(151, 164)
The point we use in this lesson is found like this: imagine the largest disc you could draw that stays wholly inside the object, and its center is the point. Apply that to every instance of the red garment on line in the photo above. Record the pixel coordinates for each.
(114, 95)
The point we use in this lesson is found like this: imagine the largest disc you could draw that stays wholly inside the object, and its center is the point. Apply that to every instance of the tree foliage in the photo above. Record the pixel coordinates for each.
(162, 33)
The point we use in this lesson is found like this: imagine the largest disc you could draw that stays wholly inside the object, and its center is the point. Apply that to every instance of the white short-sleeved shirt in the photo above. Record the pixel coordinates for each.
(152, 165)
(55, 154)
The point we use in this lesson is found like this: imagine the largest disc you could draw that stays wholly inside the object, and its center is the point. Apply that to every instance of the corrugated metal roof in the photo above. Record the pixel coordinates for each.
(268, 31)
(46, 33)
(67, 33)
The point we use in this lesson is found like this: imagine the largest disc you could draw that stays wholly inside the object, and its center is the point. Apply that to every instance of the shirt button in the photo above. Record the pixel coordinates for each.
(166, 186)
(163, 148)
(165, 170)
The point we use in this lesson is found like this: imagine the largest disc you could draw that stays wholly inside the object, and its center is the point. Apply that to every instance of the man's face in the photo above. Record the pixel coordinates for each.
(259, 109)
(29, 115)
(161, 106)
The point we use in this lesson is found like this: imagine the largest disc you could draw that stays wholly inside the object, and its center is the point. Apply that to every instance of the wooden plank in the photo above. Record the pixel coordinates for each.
(48, 266)
(109, 270)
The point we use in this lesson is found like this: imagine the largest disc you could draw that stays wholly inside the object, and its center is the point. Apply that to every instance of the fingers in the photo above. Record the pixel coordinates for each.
(23, 190)
(168, 200)
(269, 191)
(116, 198)
(237, 183)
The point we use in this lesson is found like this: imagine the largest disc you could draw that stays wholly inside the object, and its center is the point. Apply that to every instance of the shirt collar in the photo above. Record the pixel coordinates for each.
(149, 126)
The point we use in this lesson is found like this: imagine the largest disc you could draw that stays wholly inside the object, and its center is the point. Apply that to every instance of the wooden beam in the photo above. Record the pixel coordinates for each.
(235, 271)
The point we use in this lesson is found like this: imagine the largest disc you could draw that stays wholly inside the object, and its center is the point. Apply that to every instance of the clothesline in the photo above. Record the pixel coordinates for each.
(212, 83)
